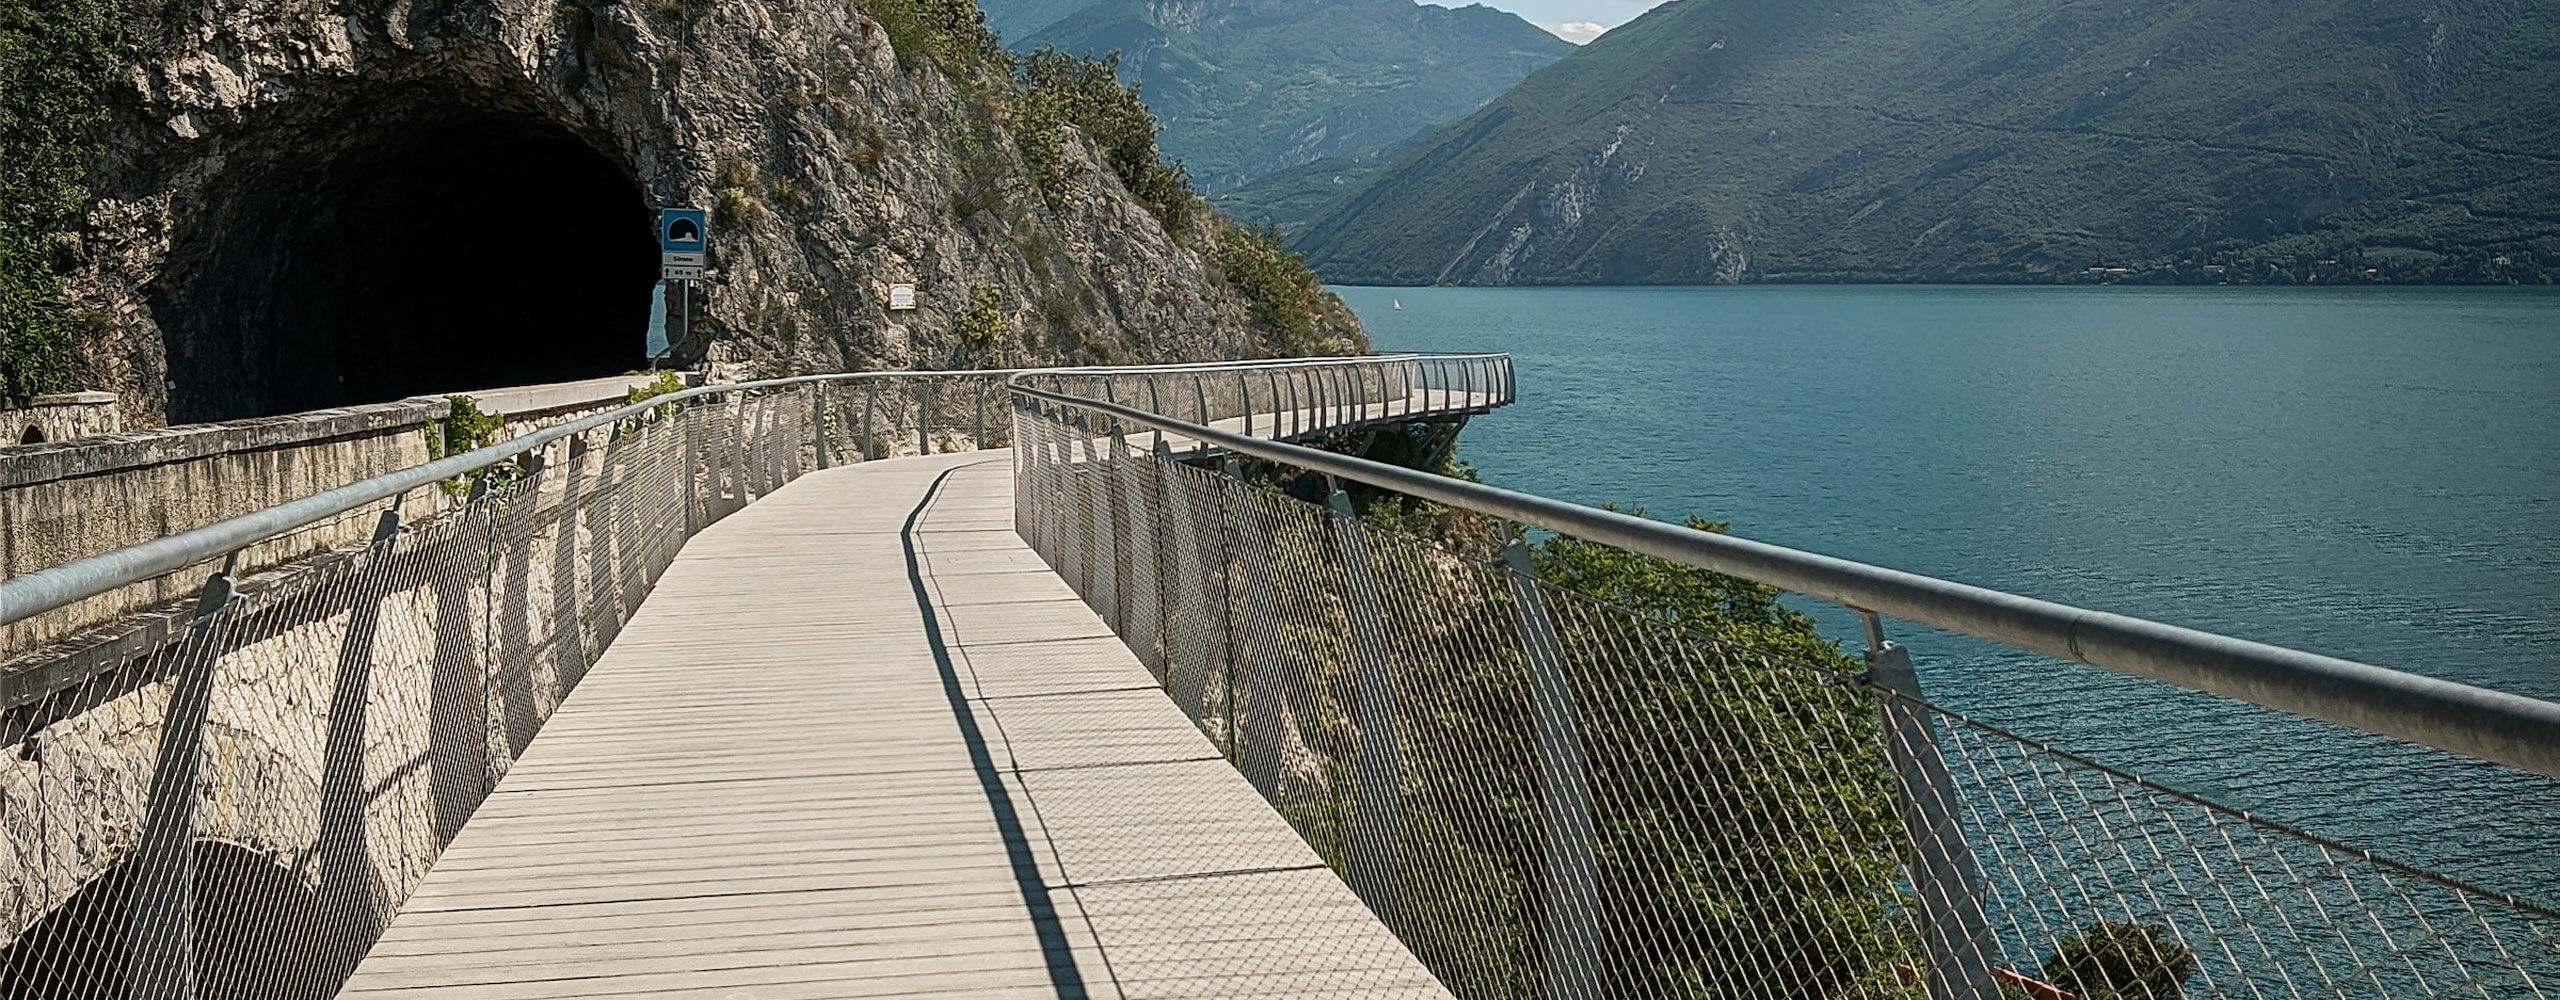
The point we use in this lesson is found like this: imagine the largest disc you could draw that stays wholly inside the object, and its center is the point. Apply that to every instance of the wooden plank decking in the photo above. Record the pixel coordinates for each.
(861, 742)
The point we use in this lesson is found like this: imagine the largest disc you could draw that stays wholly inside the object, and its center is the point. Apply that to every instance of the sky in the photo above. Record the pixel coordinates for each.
(1574, 21)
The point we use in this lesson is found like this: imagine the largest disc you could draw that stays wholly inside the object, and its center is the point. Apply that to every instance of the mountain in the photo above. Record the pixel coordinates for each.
(1247, 87)
(1732, 140)
(1294, 197)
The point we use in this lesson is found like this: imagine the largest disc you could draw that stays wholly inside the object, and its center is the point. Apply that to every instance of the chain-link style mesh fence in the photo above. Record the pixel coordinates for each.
(1564, 771)
(1294, 400)
(240, 810)
(238, 813)
(236, 803)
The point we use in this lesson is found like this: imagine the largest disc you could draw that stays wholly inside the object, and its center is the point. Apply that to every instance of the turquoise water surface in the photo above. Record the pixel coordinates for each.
(2369, 473)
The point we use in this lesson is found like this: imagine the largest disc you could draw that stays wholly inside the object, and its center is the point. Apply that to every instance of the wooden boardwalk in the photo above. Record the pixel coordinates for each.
(861, 742)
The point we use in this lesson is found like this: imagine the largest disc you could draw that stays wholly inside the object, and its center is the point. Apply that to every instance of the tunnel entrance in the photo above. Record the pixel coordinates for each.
(259, 933)
(414, 254)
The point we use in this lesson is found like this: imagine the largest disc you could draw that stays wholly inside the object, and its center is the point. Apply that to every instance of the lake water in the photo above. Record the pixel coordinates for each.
(2369, 473)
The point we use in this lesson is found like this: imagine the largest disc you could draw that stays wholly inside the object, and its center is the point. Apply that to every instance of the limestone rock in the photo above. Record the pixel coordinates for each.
(250, 247)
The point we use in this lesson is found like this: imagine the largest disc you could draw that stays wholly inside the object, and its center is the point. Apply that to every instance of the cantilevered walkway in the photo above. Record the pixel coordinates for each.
(860, 741)
(686, 699)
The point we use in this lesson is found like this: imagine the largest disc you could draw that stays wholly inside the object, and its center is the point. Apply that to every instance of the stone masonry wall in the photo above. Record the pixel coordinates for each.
(364, 701)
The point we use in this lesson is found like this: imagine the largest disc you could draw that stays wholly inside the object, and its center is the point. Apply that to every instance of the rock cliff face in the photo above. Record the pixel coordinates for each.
(306, 203)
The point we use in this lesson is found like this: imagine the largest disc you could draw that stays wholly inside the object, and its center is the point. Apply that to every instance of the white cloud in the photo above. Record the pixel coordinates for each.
(1577, 32)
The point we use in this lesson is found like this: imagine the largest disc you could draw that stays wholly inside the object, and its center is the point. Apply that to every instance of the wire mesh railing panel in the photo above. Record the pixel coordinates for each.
(1562, 770)
(2074, 852)
(891, 417)
(238, 810)
(1293, 399)
(237, 803)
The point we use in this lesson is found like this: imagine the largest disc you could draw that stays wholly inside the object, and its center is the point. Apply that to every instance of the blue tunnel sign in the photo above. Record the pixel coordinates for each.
(682, 235)
(681, 230)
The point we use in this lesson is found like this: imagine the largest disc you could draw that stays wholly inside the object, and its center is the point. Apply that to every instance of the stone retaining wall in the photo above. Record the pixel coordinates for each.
(68, 500)
(363, 703)
(60, 416)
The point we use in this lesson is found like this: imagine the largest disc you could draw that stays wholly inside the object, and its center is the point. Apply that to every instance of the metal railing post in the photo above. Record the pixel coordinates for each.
(1115, 496)
(818, 406)
(1375, 798)
(1228, 525)
(738, 458)
(924, 418)
(1263, 721)
(1320, 398)
(1564, 792)
(692, 488)
(978, 431)
(1290, 404)
(1155, 404)
(163, 916)
(1174, 567)
(1955, 934)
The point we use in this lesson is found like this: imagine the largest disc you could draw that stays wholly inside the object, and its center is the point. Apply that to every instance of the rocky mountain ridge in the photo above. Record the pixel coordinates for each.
(1991, 140)
(1248, 87)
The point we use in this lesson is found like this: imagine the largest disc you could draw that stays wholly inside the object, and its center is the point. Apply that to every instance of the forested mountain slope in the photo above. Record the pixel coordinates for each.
(1248, 87)
(1728, 140)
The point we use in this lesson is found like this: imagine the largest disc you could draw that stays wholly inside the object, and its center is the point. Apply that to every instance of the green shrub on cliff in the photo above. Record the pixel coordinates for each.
(659, 385)
(1063, 90)
(1693, 864)
(56, 57)
(1273, 278)
(2121, 961)
(951, 34)
(1741, 801)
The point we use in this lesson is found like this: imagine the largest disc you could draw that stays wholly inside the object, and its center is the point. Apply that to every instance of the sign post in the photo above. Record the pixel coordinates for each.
(684, 238)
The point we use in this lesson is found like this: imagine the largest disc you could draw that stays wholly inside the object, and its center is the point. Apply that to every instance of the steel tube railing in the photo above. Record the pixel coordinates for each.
(2495, 726)
(58, 586)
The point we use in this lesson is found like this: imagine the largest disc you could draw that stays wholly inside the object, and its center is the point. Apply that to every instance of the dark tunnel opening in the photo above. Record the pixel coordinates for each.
(469, 251)
(259, 933)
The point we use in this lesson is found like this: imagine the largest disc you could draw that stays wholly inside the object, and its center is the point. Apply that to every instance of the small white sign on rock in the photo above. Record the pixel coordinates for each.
(902, 297)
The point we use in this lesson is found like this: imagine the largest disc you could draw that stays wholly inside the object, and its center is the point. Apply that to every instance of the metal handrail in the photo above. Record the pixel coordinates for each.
(54, 587)
(2495, 726)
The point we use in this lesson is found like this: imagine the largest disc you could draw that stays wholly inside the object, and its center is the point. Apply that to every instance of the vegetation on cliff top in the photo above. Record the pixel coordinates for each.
(55, 59)
(1051, 92)
(1041, 98)
(1994, 140)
